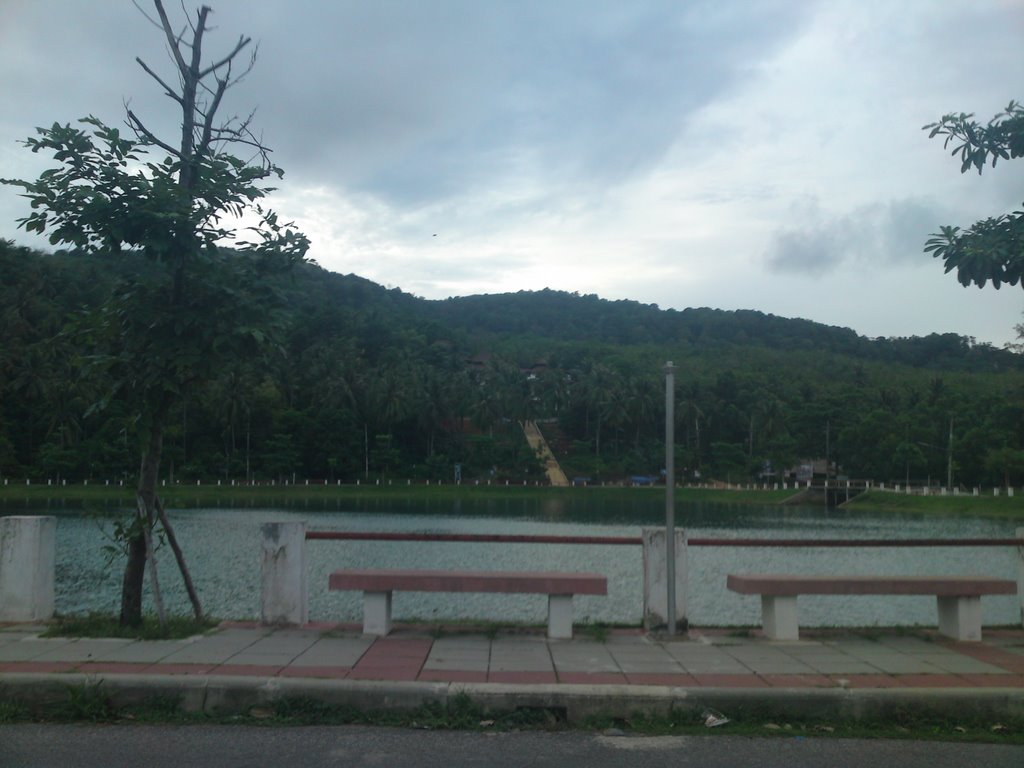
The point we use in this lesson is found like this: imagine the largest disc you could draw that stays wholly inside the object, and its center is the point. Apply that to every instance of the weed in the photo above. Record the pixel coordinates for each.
(105, 625)
(12, 712)
(85, 703)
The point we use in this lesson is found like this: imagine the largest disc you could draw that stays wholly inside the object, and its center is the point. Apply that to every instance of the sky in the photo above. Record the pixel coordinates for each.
(734, 154)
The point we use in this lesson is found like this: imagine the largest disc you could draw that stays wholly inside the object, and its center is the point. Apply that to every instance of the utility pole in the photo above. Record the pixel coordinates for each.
(670, 496)
(949, 457)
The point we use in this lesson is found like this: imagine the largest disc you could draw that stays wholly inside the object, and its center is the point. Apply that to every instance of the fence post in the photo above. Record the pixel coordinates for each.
(1020, 574)
(284, 594)
(28, 560)
(656, 579)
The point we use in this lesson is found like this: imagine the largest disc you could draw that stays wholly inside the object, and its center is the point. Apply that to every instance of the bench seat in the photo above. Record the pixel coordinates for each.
(378, 585)
(958, 597)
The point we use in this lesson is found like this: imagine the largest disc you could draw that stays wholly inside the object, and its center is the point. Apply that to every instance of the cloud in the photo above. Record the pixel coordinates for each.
(871, 235)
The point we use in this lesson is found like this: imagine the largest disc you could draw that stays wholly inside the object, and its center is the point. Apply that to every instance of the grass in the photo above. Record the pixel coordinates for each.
(963, 505)
(38, 495)
(105, 625)
(89, 703)
(214, 495)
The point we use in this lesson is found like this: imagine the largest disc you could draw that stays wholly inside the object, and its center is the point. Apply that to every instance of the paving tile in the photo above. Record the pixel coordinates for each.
(113, 668)
(730, 681)
(668, 667)
(400, 648)
(999, 657)
(26, 650)
(799, 681)
(1006, 680)
(454, 675)
(326, 672)
(83, 650)
(181, 669)
(867, 681)
(403, 673)
(42, 667)
(830, 665)
(778, 667)
(530, 678)
(592, 678)
(142, 651)
(328, 651)
(247, 659)
(248, 670)
(933, 681)
(674, 680)
(455, 664)
(958, 663)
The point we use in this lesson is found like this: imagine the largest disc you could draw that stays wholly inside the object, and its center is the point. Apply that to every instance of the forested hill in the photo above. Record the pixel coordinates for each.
(572, 317)
(365, 382)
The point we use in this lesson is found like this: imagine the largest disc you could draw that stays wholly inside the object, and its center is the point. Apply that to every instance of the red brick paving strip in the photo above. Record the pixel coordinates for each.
(526, 678)
(453, 676)
(799, 681)
(592, 678)
(39, 666)
(675, 680)
(730, 681)
(248, 670)
(332, 673)
(182, 669)
(867, 681)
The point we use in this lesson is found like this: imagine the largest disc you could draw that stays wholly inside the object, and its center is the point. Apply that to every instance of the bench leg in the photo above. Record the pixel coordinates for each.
(960, 617)
(376, 613)
(778, 617)
(560, 616)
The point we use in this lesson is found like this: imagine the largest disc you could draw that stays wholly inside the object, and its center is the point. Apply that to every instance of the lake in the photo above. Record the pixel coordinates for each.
(223, 550)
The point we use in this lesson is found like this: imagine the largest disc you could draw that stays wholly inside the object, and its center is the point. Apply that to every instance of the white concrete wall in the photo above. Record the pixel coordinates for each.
(28, 551)
(656, 579)
(284, 594)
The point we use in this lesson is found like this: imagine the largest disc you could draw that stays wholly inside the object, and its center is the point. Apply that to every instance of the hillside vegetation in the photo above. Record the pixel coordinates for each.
(374, 383)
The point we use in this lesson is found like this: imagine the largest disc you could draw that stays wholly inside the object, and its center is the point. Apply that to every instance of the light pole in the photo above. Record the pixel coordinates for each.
(670, 494)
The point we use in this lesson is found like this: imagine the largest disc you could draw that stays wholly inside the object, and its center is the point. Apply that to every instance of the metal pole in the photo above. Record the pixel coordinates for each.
(670, 495)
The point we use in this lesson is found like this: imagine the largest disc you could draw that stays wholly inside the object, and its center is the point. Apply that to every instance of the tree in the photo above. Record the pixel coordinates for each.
(168, 328)
(992, 249)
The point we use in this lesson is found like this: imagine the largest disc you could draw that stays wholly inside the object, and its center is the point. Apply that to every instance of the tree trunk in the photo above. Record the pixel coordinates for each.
(186, 577)
(135, 567)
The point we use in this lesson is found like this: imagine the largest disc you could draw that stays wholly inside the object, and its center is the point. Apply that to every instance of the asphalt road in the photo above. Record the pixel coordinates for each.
(110, 746)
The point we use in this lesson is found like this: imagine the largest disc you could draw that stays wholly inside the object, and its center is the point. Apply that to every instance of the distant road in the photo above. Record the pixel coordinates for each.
(539, 445)
(111, 746)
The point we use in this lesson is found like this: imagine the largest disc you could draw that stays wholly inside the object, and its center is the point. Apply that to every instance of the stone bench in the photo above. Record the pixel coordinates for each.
(959, 597)
(378, 585)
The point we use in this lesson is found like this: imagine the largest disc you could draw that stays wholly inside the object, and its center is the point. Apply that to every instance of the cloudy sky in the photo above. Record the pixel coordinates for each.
(738, 154)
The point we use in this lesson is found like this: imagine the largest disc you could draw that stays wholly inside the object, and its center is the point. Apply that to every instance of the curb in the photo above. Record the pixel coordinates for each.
(223, 695)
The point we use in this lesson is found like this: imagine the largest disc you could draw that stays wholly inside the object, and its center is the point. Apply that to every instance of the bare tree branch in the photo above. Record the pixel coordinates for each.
(167, 89)
(171, 40)
(144, 133)
(242, 42)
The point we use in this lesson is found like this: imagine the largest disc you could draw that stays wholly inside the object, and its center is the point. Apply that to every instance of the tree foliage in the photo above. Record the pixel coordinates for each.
(193, 303)
(993, 248)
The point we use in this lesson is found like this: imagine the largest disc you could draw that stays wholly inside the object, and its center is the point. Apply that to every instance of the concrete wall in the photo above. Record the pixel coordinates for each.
(28, 549)
(284, 595)
(656, 579)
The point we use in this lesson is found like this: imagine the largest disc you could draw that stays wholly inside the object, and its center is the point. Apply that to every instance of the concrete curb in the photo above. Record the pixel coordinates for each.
(223, 695)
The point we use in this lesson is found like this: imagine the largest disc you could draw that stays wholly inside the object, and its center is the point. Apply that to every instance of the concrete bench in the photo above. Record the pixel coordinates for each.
(959, 597)
(377, 586)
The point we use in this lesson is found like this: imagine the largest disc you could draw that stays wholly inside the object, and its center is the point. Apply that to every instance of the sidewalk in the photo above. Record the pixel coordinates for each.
(622, 667)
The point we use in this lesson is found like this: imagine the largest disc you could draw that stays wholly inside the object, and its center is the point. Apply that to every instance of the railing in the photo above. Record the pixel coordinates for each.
(636, 540)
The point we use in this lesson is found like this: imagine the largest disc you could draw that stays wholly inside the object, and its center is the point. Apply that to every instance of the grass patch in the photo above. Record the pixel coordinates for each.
(105, 625)
(88, 703)
(963, 505)
(300, 495)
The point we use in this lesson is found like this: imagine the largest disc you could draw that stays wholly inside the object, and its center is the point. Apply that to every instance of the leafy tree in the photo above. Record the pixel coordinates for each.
(992, 249)
(168, 328)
